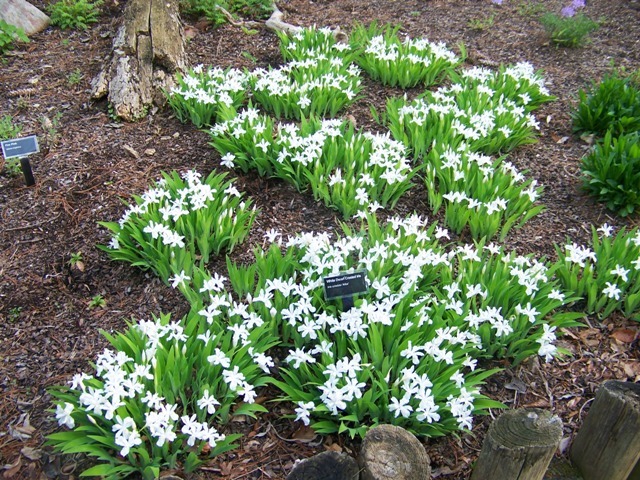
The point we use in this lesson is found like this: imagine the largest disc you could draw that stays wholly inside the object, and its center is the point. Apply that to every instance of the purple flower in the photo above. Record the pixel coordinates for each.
(578, 3)
(568, 11)
(497, 2)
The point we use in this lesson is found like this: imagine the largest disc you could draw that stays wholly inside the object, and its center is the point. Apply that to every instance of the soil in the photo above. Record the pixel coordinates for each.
(48, 328)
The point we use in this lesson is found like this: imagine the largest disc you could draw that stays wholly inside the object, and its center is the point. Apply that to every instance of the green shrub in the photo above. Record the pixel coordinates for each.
(613, 104)
(76, 14)
(9, 34)
(612, 172)
(568, 31)
(259, 9)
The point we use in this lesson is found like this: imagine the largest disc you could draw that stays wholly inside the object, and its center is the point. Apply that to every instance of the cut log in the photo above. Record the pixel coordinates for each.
(519, 446)
(147, 51)
(607, 446)
(326, 466)
(22, 14)
(391, 453)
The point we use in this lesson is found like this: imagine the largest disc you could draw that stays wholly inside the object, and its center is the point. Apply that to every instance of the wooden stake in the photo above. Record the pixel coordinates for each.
(519, 446)
(607, 446)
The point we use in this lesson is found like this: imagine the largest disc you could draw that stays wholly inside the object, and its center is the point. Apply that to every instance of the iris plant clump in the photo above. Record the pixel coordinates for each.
(414, 349)
(351, 171)
(404, 63)
(205, 96)
(180, 221)
(606, 274)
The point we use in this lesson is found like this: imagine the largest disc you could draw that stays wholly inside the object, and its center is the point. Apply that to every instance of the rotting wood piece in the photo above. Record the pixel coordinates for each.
(607, 446)
(392, 453)
(147, 50)
(519, 446)
(326, 466)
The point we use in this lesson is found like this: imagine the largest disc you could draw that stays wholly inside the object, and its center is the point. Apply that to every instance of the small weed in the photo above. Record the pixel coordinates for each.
(484, 23)
(12, 167)
(249, 57)
(65, 42)
(97, 301)
(14, 314)
(50, 127)
(8, 129)
(23, 103)
(75, 77)
(10, 35)
(415, 13)
(530, 8)
(76, 261)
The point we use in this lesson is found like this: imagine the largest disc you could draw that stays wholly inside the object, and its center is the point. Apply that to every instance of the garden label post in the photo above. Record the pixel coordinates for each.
(21, 148)
(345, 286)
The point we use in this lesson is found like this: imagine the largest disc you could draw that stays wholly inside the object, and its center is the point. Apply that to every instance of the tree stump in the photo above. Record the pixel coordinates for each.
(607, 446)
(147, 50)
(519, 446)
(22, 14)
(326, 466)
(391, 453)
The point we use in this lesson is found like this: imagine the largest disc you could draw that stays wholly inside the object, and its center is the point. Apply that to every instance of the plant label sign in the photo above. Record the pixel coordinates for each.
(345, 285)
(20, 147)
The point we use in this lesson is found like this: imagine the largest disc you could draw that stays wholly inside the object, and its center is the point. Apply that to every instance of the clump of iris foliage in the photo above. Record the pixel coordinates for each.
(180, 221)
(403, 63)
(205, 96)
(413, 350)
(606, 274)
(410, 352)
(352, 171)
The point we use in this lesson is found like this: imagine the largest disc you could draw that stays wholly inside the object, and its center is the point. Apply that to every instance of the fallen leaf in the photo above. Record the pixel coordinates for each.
(31, 453)
(624, 335)
(11, 470)
(304, 434)
(131, 151)
(517, 385)
(334, 447)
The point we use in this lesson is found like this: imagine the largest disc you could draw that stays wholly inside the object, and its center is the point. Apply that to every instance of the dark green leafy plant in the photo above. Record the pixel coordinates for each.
(569, 31)
(212, 9)
(75, 14)
(9, 35)
(612, 172)
(613, 104)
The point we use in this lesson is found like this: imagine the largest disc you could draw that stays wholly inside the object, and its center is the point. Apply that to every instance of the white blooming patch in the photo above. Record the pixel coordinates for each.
(206, 95)
(606, 274)
(488, 195)
(164, 388)
(354, 172)
(178, 220)
(405, 63)
(407, 352)
(313, 43)
(320, 86)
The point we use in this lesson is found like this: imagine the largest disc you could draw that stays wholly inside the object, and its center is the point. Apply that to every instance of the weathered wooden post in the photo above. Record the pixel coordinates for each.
(607, 446)
(392, 453)
(519, 446)
(326, 466)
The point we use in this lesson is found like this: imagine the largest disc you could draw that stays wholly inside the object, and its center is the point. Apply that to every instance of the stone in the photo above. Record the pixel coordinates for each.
(23, 15)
